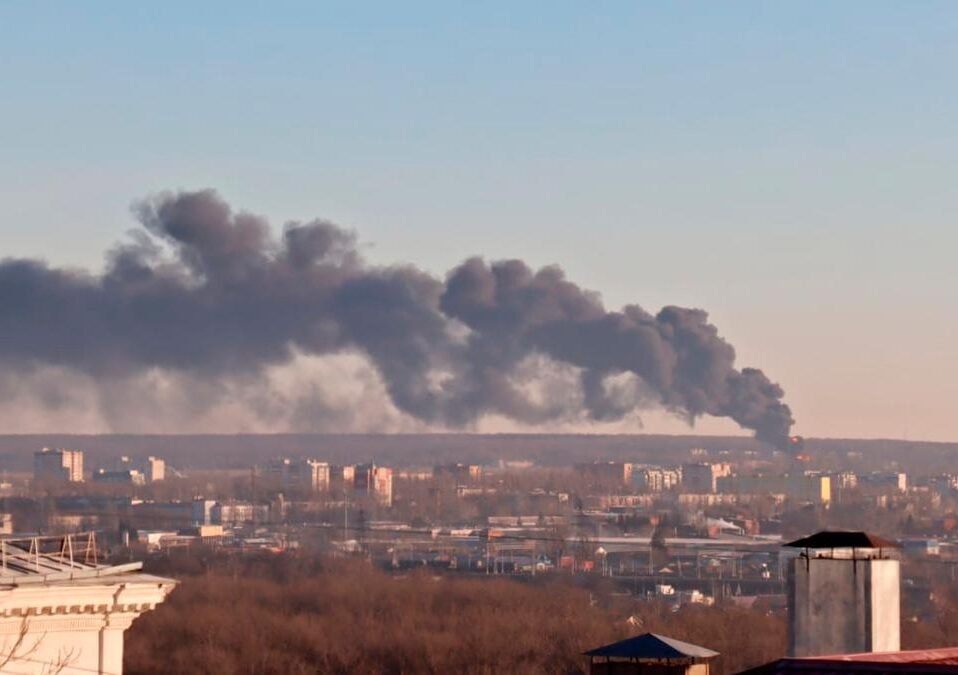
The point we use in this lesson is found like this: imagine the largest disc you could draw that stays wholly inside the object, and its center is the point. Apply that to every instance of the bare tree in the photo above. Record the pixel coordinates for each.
(24, 649)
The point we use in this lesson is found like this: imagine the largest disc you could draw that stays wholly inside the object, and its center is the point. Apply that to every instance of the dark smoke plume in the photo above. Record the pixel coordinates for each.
(206, 292)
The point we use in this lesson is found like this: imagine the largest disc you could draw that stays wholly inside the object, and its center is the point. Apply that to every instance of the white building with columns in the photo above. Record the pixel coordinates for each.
(64, 613)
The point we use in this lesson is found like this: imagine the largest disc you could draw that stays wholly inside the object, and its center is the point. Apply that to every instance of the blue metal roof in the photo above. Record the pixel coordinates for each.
(652, 646)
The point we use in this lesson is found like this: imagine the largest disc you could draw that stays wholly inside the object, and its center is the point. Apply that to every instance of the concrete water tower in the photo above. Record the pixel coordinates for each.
(843, 595)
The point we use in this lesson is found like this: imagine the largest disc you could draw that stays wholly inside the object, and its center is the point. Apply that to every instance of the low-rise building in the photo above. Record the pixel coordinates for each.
(122, 477)
(883, 482)
(804, 487)
(462, 473)
(618, 472)
(235, 513)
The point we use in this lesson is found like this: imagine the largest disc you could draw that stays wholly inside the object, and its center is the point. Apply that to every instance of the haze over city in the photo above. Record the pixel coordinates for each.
(553, 338)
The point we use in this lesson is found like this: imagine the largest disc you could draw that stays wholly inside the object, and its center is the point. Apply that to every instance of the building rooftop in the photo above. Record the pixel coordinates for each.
(915, 661)
(842, 539)
(42, 559)
(652, 647)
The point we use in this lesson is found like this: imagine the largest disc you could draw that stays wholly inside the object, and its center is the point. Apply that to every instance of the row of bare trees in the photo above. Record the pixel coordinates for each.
(299, 614)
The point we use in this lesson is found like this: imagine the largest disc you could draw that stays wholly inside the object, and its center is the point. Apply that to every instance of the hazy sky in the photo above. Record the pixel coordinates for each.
(786, 166)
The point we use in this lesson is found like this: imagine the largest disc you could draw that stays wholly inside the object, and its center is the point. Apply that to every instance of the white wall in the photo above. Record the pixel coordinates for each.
(843, 606)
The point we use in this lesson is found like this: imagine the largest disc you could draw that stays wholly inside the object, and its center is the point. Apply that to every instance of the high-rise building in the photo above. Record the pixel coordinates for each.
(376, 481)
(656, 478)
(315, 475)
(58, 464)
(203, 511)
(307, 474)
(154, 469)
(701, 477)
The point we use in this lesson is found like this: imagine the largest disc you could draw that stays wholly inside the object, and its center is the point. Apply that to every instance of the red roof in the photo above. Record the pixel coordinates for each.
(944, 660)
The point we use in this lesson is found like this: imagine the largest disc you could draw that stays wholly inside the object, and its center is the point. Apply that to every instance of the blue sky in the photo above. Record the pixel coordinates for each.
(787, 166)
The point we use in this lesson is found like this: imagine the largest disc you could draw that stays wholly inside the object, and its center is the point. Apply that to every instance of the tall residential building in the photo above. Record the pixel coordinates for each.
(376, 481)
(308, 474)
(315, 475)
(58, 464)
(155, 469)
(656, 478)
(203, 511)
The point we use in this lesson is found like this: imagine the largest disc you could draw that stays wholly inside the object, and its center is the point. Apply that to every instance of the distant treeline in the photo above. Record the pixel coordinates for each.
(241, 451)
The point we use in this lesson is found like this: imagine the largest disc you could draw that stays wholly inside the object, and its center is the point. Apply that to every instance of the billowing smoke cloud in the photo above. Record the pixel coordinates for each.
(206, 296)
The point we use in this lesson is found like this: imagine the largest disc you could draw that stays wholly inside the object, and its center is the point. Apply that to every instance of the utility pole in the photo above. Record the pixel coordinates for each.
(345, 517)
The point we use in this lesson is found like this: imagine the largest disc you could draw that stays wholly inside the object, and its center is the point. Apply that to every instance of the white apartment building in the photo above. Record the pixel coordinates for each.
(376, 481)
(309, 474)
(155, 469)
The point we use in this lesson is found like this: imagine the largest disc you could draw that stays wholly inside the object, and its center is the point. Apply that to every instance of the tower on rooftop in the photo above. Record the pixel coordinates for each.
(843, 595)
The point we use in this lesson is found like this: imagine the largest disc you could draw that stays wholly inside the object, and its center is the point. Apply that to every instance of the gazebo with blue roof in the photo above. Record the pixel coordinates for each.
(650, 654)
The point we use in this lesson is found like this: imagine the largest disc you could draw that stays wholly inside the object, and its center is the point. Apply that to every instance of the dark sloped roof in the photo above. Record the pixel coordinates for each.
(927, 661)
(652, 646)
(842, 539)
